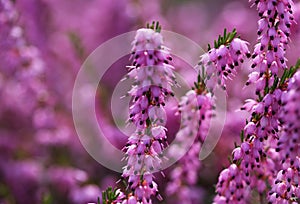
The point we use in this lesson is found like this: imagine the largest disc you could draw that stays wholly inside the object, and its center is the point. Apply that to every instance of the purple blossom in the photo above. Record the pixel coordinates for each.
(43, 44)
(273, 32)
(254, 160)
(153, 78)
(196, 111)
(220, 62)
(285, 187)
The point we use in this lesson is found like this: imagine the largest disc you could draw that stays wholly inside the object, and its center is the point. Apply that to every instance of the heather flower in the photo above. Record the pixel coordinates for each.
(220, 61)
(285, 187)
(66, 178)
(21, 61)
(273, 31)
(29, 118)
(254, 159)
(20, 174)
(8, 17)
(152, 73)
(231, 186)
(195, 109)
(153, 78)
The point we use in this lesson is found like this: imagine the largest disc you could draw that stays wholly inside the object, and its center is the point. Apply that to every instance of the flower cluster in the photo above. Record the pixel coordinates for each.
(196, 110)
(39, 148)
(220, 61)
(285, 188)
(255, 160)
(153, 77)
(29, 118)
(276, 18)
(23, 62)
(231, 186)
(152, 72)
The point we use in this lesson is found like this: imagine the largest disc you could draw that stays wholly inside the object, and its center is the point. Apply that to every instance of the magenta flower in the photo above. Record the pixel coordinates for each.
(196, 107)
(273, 31)
(285, 188)
(153, 78)
(152, 73)
(255, 160)
(196, 110)
(220, 61)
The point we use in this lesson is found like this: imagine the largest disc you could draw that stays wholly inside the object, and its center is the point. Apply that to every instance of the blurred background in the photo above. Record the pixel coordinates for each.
(43, 44)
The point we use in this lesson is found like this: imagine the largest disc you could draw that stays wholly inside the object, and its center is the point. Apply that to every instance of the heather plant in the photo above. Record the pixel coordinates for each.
(43, 45)
(197, 107)
(256, 167)
(255, 163)
(34, 133)
(153, 78)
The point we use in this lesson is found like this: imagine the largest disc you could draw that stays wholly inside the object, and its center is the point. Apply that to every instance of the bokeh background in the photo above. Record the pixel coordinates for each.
(43, 44)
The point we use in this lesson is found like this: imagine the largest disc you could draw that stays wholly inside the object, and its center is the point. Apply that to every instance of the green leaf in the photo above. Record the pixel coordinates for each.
(203, 73)
(225, 39)
(104, 197)
(224, 34)
(242, 135)
(274, 86)
(47, 199)
(154, 26)
(109, 196)
(209, 48)
(288, 73)
(220, 41)
(199, 78)
(77, 44)
(231, 36)
(229, 159)
(283, 77)
(266, 90)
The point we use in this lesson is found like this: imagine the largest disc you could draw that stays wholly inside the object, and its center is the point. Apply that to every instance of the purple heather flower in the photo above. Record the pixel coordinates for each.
(273, 31)
(21, 68)
(285, 187)
(195, 111)
(21, 174)
(29, 117)
(220, 62)
(153, 77)
(231, 186)
(254, 158)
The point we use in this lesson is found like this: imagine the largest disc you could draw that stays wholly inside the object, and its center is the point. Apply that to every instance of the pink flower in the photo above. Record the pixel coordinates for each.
(152, 73)
(253, 161)
(286, 185)
(220, 62)
(195, 109)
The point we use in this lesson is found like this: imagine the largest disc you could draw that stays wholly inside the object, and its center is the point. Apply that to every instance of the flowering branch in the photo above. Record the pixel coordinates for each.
(153, 77)
(285, 187)
(112, 196)
(196, 109)
(254, 165)
(220, 61)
